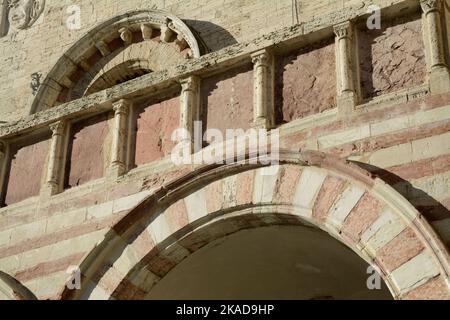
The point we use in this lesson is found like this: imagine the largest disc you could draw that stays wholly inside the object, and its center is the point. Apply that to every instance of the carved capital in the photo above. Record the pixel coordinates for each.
(190, 83)
(166, 33)
(430, 5)
(126, 35)
(261, 58)
(343, 30)
(122, 107)
(58, 128)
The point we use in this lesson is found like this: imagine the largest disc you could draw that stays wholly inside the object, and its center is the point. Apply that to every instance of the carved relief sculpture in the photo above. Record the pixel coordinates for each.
(19, 14)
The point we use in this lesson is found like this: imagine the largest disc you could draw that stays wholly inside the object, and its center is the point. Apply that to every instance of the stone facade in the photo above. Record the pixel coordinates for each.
(87, 116)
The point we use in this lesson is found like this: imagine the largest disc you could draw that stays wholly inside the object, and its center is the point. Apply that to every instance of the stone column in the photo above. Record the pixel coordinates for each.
(437, 65)
(3, 165)
(119, 148)
(346, 98)
(54, 178)
(263, 99)
(190, 107)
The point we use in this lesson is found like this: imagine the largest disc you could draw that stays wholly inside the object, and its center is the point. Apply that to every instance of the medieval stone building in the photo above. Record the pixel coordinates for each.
(353, 94)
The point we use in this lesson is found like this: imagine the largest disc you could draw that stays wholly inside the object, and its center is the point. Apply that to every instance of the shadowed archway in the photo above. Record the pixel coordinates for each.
(101, 58)
(310, 189)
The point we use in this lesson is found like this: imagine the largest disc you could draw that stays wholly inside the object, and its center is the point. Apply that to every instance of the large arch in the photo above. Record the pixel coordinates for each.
(152, 39)
(308, 188)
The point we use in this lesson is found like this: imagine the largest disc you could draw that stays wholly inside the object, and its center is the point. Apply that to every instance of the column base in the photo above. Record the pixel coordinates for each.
(346, 104)
(439, 80)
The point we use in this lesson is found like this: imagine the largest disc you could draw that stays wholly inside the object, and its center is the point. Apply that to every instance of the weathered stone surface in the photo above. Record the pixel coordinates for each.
(308, 187)
(432, 290)
(227, 100)
(244, 191)
(27, 171)
(176, 215)
(264, 185)
(306, 82)
(286, 184)
(382, 231)
(88, 151)
(155, 125)
(403, 248)
(415, 272)
(196, 205)
(362, 216)
(216, 196)
(392, 58)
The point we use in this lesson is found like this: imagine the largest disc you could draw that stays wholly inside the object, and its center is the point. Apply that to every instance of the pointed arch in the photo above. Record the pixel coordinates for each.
(311, 188)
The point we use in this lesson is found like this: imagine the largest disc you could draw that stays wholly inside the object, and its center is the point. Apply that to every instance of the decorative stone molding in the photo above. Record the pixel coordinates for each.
(55, 168)
(190, 107)
(439, 76)
(147, 31)
(126, 35)
(263, 68)
(3, 18)
(345, 55)
(19, 14)
(3, 168)
(166, 33)
(119, 147)
(153, 217)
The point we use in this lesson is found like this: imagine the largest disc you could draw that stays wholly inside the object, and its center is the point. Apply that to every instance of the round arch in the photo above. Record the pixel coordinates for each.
(12, 289)
(309, 188)
(155, 37)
